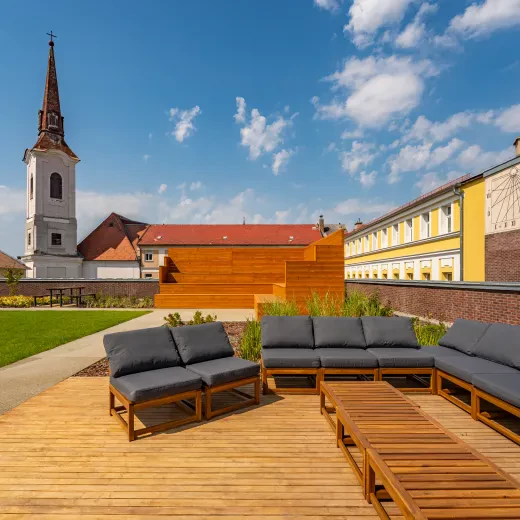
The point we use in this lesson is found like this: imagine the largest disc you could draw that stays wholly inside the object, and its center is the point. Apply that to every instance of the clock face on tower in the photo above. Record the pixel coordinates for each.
(503, 201)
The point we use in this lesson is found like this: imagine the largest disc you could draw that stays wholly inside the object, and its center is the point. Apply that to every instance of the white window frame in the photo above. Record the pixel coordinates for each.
(426, 225)
(395, 234)
(148, 257)
(445, 219)
(374, 240)
(384, 237)
(408, 231)
(367, 243)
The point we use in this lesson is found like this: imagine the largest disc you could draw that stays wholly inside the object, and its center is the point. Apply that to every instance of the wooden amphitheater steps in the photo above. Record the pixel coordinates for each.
(216, 288)
(204, 301)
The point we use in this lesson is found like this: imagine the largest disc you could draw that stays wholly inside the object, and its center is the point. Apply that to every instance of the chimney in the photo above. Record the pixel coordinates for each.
(517, 146)
(358, 224)
(321, 225)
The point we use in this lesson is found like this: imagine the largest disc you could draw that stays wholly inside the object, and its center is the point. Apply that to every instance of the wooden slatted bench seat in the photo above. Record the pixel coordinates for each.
(408, 457)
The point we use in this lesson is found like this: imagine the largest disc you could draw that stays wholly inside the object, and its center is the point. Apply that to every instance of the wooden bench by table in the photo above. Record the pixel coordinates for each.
(408, 457)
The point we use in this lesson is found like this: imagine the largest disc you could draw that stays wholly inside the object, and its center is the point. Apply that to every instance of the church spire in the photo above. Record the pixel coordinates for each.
(51, 132)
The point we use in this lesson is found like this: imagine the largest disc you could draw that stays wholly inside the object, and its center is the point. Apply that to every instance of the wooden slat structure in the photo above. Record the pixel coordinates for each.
(247, 277)
(409, 457)
(62, 457)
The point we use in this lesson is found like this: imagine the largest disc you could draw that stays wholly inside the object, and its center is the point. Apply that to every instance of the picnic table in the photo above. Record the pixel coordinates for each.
(76, 293)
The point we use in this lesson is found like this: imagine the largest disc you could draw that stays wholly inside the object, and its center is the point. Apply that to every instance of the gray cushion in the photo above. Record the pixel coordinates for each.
(463, 335)
(440, 352)
(338, 332)
(402, 357)
(503, 386)
(140, 350)
(290, 358)
(224, 370)
(500, 343)
(465, 367)
(346, 358)
(287, 332)
(197, 343)
(153, 384)
(389, 332)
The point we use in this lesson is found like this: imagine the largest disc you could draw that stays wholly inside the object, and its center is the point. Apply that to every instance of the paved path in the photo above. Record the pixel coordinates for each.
(30, 376)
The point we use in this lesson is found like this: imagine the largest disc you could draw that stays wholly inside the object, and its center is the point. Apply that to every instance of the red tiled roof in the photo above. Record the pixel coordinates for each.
(230, 234)
(8, 262)
(114, 239)
(422, 198)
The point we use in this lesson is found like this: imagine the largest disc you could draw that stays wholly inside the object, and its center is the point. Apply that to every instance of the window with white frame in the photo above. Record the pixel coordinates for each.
(148, 257)
(425, 225)
(367, 243)
(408, 230)
(384, 237)
(395, 234)
(374, 240)
(446, 219)
(359, 246)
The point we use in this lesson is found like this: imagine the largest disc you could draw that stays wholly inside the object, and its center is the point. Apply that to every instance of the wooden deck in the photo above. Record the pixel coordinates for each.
(62, 457)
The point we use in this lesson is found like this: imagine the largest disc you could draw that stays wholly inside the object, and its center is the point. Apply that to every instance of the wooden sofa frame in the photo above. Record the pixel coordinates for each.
(475, 408)
(131, 407)
(249, 400)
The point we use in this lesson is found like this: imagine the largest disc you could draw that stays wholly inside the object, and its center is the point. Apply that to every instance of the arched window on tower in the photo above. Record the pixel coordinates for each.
(56, 186)
(31, 187)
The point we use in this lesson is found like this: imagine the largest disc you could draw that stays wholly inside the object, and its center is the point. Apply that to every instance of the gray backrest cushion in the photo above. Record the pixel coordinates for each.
(140, 350)
(338, 332)
(197, 343)
(463, 335)
(500, 343)
(287, 332)
(389, 332)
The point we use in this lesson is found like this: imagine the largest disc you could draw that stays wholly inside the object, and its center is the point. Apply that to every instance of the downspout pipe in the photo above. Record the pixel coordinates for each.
(457, 191)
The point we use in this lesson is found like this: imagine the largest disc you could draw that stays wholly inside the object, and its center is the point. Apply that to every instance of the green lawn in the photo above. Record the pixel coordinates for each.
(24, 333)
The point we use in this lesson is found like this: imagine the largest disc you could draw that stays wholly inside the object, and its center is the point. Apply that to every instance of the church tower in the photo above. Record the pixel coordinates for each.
(51, 227)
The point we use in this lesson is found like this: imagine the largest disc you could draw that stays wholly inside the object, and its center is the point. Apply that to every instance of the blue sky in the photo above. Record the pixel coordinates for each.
(273, 110)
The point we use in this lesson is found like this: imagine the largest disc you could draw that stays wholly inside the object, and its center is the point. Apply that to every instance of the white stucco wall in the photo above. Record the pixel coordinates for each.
(110, 269)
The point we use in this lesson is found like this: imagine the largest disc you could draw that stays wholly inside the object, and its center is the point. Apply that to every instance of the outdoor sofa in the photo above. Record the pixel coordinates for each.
(157, 366)
(480, 358)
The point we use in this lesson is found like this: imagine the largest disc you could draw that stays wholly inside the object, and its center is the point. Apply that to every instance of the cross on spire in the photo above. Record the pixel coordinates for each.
(51, 43)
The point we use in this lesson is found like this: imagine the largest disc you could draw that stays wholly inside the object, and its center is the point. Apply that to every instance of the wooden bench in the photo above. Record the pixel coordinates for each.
(410, 459)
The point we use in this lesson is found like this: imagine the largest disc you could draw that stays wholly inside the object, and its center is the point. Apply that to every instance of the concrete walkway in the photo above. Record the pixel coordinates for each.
(30, 376)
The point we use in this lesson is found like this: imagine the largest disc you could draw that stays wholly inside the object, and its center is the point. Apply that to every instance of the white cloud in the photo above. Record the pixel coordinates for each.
(280, 160)
(482, 18)
(509, 119)
(352, 134)
(146, 157)
(281, 216)
(195, 185)
(367, 179)
(240, 116)
(415, 31)
(150, 136)
(360, 154)
(361, 207)
(368, 16)
(12, 200)
(162, 189)
(184, 122)
(474, 159)
(261, 137)
(328, 5)
(432, 180)
(413, 158)
(379, 89)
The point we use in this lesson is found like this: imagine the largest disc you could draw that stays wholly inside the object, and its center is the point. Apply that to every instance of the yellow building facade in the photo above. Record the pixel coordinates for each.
(440, 236)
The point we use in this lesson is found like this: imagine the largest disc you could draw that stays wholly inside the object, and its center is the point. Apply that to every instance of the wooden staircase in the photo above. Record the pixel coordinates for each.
(247, 277)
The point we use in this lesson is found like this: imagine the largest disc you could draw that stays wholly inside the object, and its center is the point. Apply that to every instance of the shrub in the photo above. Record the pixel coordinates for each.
(251, 344)
(105, 301)
(429, 333)
(358, 304)
(175, 320)
(280, 308)
(12, 277)
(16, 301)
(327, 305)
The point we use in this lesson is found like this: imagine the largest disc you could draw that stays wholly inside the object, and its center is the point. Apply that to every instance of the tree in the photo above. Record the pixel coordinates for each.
(12, 277)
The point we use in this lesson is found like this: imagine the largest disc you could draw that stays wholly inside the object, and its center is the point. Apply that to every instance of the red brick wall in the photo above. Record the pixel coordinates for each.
(445, 303)
(139, 288)
(503, 257)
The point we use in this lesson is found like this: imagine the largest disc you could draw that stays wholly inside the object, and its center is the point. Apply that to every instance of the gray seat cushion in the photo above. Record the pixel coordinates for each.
(466, 367)
(290, 358)
(224, 370)
(503, 386)
(500, 343)
(338, 332)
(463, 335)
(137, 351)
(389, 332)
(198, 343)
(440, 352)
(153, 384)
(287, 332)
(346, 358)
(402, 357)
